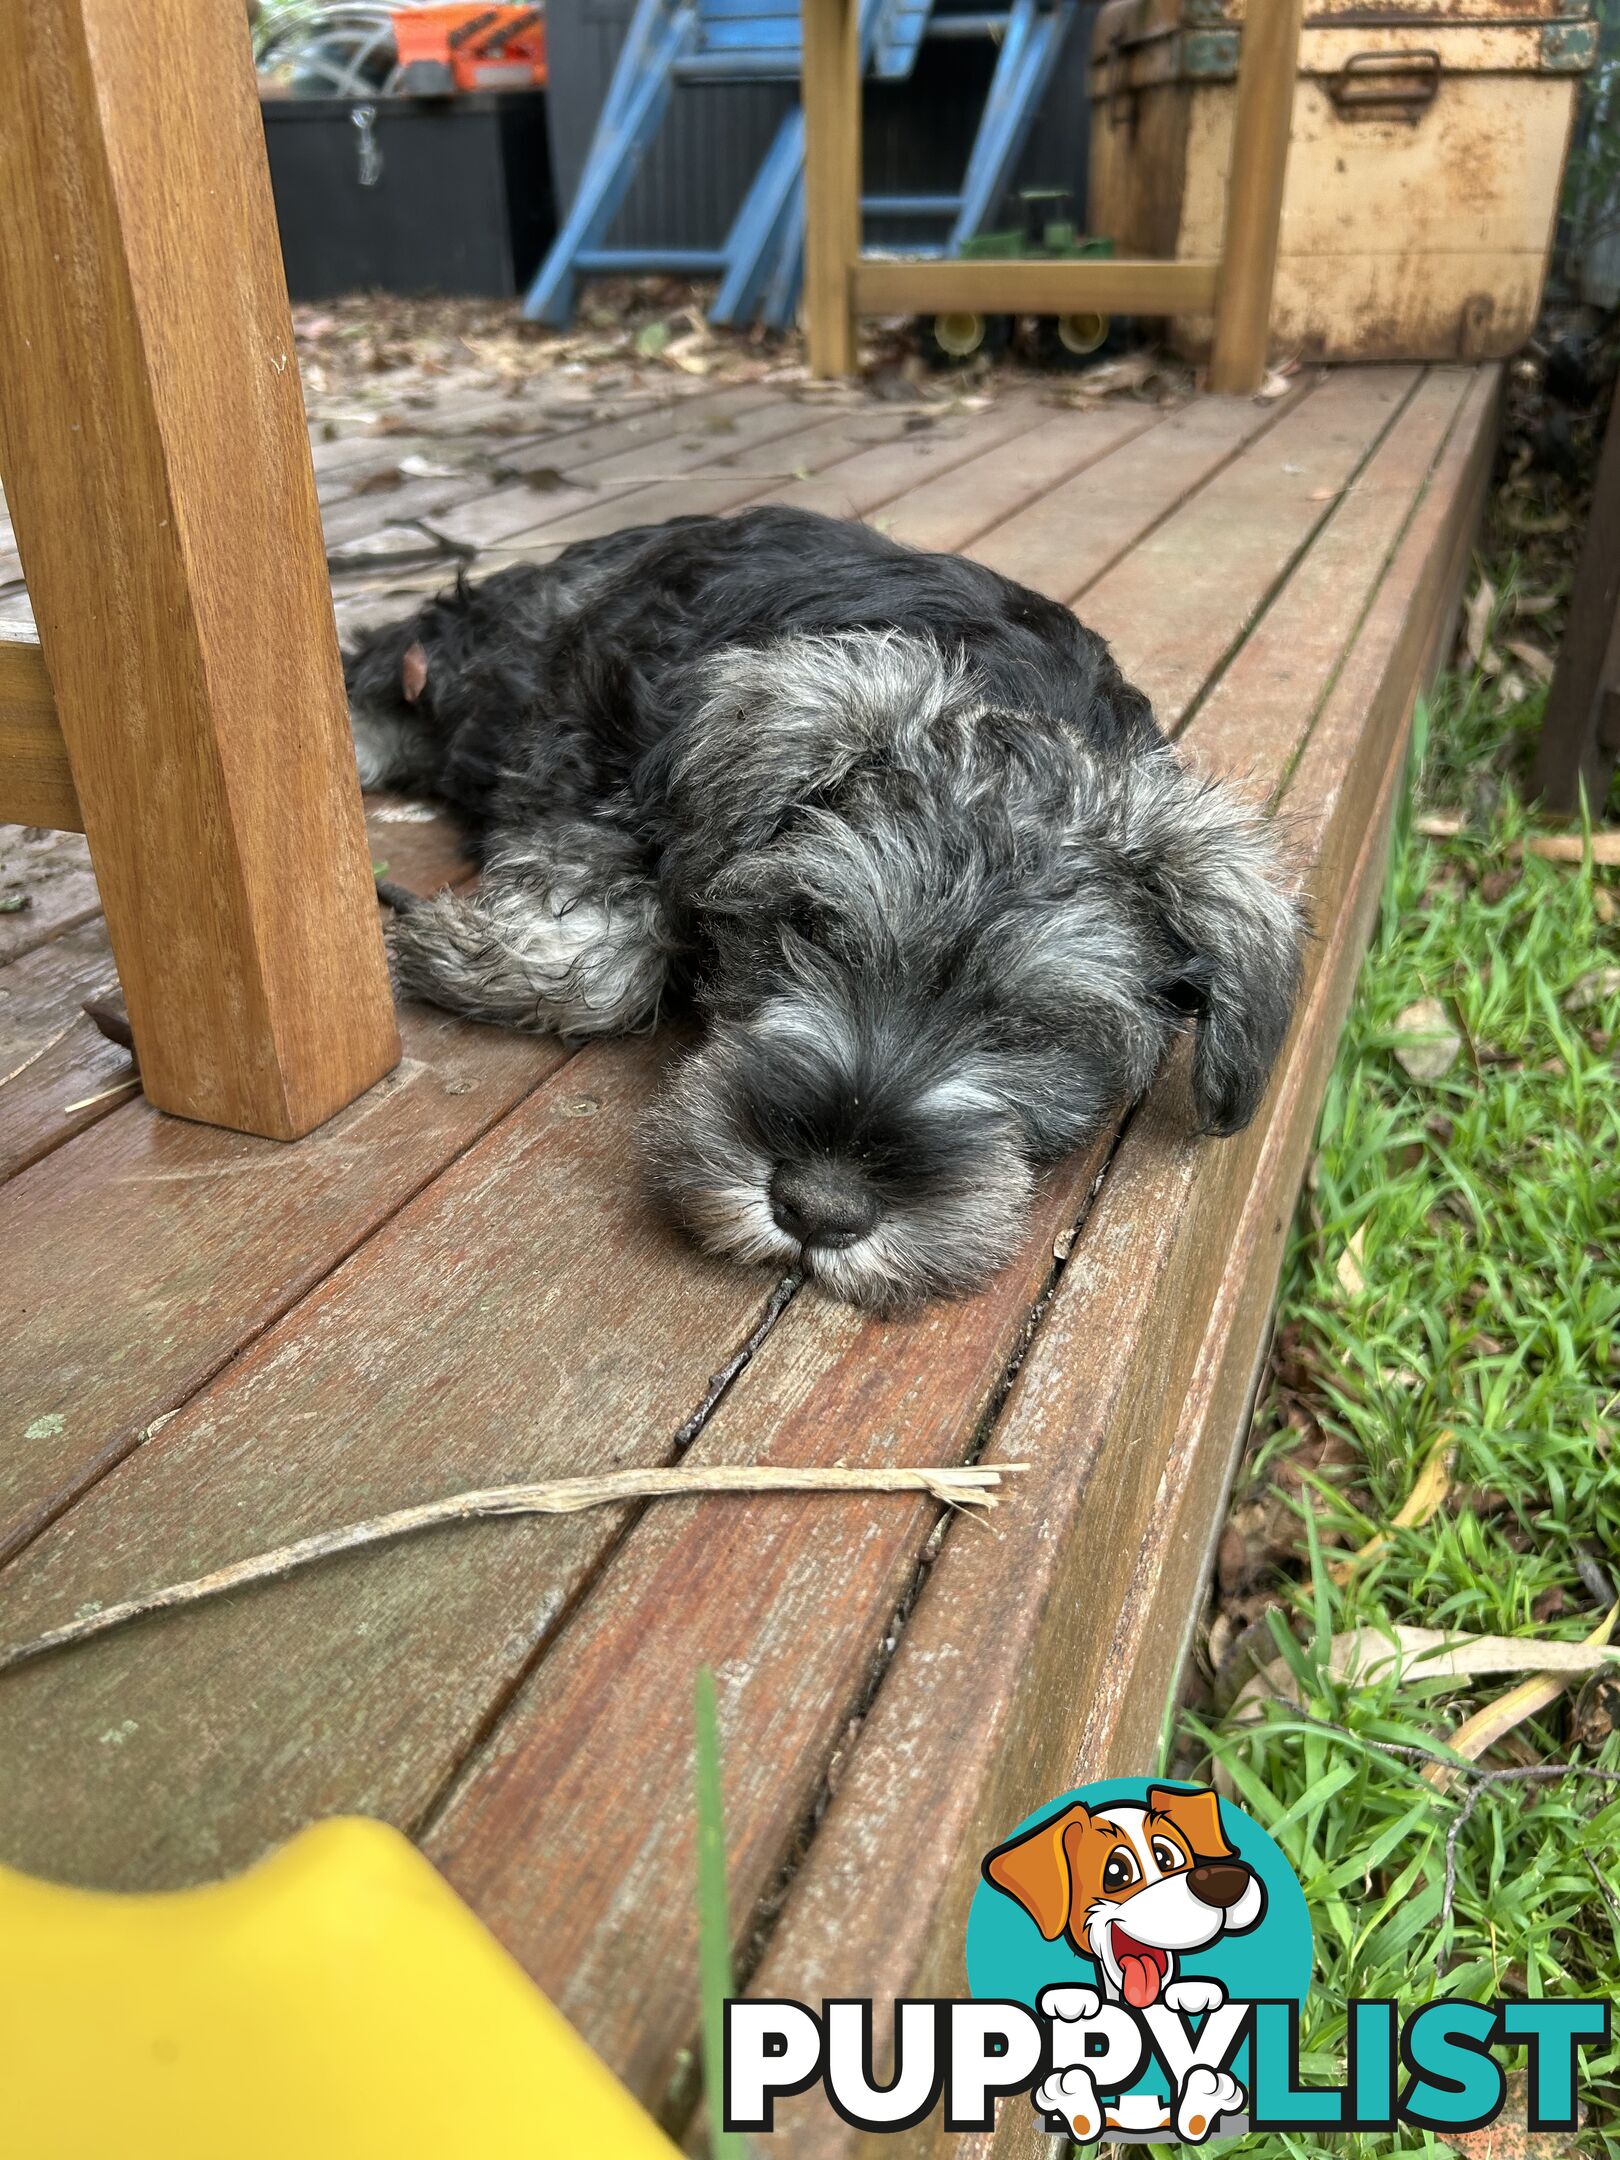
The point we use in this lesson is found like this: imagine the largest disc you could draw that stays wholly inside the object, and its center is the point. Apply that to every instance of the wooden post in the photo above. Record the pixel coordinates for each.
(832, 180)
(1580, 734)
(1267, 65)
(156, 462)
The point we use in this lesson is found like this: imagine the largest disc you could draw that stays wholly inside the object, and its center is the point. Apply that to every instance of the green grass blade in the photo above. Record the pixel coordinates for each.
(714, 1919)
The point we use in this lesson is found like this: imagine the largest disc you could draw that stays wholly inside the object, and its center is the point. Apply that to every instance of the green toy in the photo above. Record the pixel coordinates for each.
(1048, 234)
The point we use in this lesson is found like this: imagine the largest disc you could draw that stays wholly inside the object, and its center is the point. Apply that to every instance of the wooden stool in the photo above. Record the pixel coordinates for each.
(184, 706)
(840, 284)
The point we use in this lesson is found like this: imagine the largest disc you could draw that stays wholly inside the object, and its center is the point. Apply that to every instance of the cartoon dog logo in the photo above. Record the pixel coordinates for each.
(1133, 1885)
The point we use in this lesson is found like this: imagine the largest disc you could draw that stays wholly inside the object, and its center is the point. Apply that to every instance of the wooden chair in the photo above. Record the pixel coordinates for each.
(841, 285)
(184, 704)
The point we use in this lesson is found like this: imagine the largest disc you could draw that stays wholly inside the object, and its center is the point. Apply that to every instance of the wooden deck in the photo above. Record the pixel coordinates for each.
(215, 1344)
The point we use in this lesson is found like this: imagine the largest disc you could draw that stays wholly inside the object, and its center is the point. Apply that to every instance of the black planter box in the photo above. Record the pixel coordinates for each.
(460, 201)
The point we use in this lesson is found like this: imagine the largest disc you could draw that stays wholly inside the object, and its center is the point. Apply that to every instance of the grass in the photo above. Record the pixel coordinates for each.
(1481, 1300)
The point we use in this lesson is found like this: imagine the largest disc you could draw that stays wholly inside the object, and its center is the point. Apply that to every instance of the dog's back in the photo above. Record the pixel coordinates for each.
(542, 689)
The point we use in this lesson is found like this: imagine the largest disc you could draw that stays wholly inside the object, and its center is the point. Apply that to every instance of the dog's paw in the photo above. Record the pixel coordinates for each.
(1073, 2095)
(1206, 2095)
(1068, 2005)
(1193, 1997)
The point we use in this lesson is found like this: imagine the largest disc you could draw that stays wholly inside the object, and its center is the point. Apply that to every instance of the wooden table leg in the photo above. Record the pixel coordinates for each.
(1267, 66)
(1580, 734)
(832, 168)
(156, 462)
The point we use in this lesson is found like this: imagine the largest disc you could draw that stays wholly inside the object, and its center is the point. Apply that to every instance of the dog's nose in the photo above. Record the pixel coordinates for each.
(823, 1203)
(1218, 1883)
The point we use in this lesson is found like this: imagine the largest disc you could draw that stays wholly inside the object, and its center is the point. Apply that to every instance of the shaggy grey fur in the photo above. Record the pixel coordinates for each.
(940, 890)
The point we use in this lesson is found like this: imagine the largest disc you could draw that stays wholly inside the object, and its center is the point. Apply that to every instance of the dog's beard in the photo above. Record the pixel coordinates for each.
(945, 1160)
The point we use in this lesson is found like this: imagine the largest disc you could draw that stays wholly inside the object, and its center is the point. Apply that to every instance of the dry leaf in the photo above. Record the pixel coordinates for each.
(1437, 827)
(1426, 1044)
(1510, 2136)
(1366, 1654)
(1351, 1279)
(1427, 1497)
(1477, 620)
(1571, 848)
(1531, 657)
(1593, 988)
(1481, 1731)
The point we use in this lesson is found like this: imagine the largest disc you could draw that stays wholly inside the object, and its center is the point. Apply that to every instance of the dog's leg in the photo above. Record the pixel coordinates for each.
(563, 934)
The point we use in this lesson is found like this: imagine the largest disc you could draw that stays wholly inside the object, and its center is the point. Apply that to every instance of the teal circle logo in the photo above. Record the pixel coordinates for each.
(1056, 1897)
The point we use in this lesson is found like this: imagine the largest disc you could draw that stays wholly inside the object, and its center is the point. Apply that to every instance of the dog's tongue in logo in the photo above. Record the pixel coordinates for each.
(1141, 1969)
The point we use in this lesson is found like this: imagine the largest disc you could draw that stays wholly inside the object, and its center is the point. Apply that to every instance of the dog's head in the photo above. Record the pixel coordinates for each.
(1132, 1885)
(946, 942)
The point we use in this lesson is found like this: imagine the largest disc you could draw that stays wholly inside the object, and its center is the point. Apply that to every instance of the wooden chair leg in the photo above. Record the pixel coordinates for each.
(1580, 735)
(832, 159)
(1267, 66)
(156, 462)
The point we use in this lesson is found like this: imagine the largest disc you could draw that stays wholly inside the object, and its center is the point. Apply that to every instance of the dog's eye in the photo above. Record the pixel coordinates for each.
(1168, 1856)
(1120, 1872)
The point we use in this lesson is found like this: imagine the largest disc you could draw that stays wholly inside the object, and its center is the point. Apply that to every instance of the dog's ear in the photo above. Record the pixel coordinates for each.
(1197, 1815)
(1210, 862)
(1034, 1870)
(413, 672)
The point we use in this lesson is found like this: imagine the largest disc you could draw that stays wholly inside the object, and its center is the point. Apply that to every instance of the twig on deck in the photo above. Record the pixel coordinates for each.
(960, 1487)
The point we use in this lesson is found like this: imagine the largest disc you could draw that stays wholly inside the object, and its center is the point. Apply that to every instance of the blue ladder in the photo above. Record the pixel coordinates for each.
(760, 264)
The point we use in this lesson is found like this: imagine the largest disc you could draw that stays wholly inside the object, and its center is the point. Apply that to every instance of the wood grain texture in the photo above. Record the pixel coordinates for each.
(830, 92)
(36, 783)
(157, 469)
(1121, 287)
(950, 512)
(847, 464)
(46, 887)
(1239, 536)
(1026, 1621)
(1067, 537)
(55, 1067)
(563, 475)
(149, 1250)
(789, 1609)
(787, 1602)
(51, 1055)
(1268, 62)
(522, 1318)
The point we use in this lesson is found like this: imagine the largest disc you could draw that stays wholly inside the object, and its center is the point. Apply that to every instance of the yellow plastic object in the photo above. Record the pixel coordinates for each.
(337, 2002)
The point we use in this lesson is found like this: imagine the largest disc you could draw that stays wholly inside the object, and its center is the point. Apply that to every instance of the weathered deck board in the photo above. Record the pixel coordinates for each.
(54, 1065)
(1071, 534)
(812, 1598)
(1170, 601)
(816, 469)
(951, 511)
(480, 1295)
(1028, 1620)
(521, 1318)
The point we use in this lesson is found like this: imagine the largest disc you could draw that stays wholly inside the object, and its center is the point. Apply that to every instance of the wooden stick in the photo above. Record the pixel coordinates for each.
(961, 1487)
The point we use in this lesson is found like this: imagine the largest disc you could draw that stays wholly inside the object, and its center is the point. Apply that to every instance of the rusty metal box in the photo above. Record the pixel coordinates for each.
(1424, 165)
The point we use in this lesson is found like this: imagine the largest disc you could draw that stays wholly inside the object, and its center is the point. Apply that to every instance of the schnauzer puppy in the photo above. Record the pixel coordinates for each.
(939, 889)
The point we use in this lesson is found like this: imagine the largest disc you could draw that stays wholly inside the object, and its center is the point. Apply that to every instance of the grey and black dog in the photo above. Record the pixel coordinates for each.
(939, 889)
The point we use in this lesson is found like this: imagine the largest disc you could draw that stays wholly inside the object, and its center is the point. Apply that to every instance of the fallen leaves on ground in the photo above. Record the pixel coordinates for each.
(1426, 1043)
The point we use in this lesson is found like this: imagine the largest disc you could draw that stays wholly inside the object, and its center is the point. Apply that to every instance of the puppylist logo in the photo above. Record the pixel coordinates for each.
(1138, 1955)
